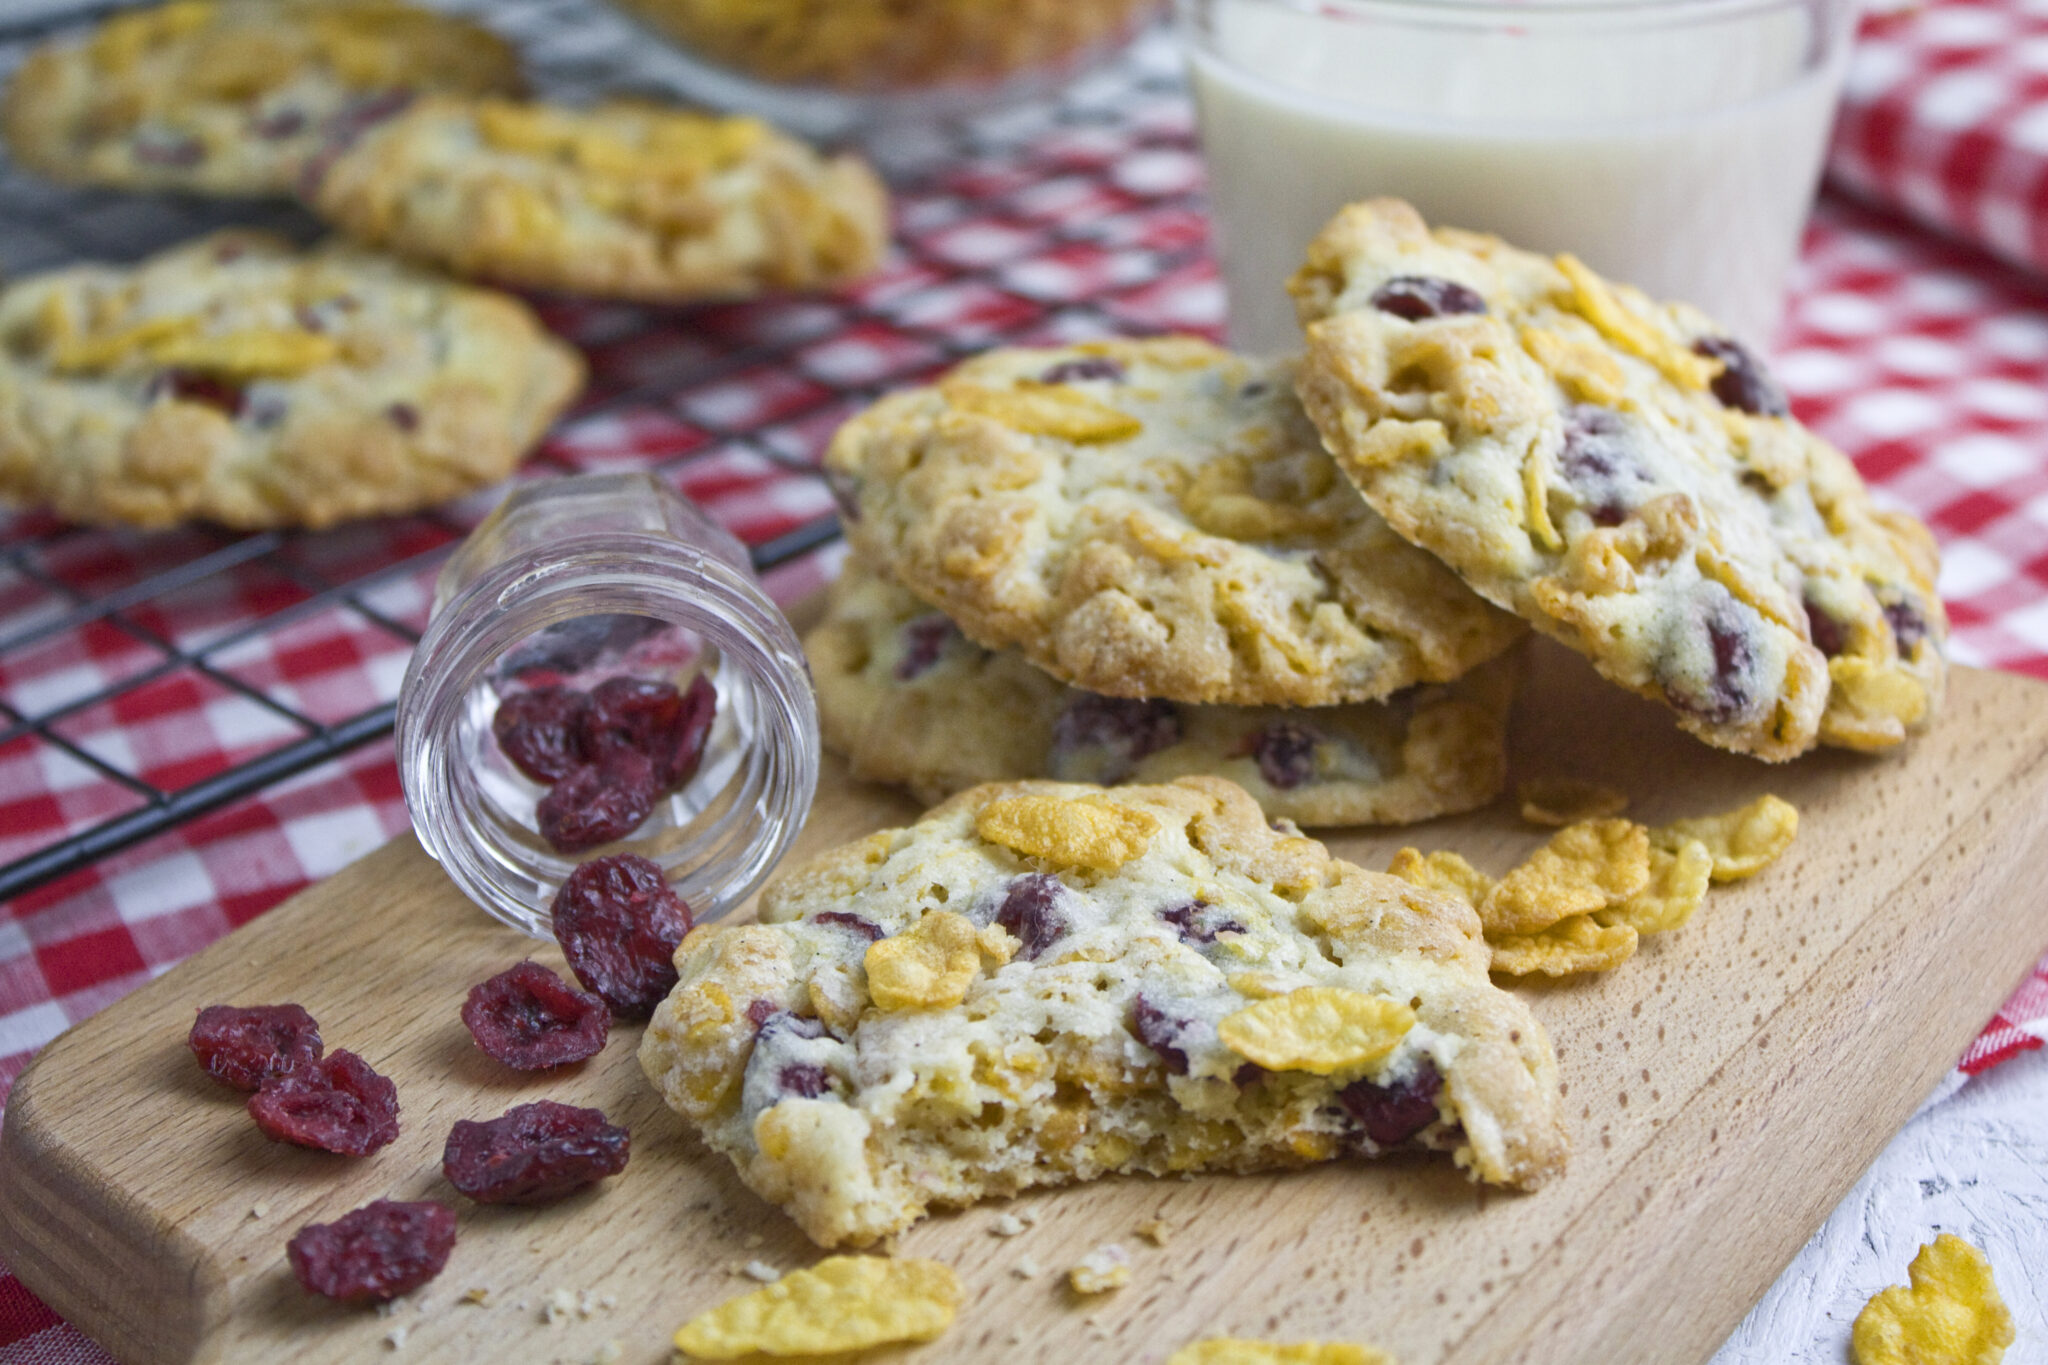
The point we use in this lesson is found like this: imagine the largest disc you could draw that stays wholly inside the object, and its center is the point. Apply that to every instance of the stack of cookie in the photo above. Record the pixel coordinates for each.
(238, 381)
(1133, 560)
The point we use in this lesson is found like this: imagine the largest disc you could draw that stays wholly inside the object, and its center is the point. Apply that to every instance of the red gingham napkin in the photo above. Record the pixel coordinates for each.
(1925, 361)
(1945, 118)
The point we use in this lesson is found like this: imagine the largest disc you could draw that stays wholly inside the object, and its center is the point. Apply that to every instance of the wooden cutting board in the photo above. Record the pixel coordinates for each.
(1724, 1089)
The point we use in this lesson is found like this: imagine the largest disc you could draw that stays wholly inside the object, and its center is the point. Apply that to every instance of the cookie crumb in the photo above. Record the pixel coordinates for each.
(1101, 1270)
(523, 1305)
(762, 1271)
(559, 1308)
(259, 1209)
(1008, 1225)
(479, 1296)
(1157, 1231)
(611, 1353)
(1026, 1269)
(394, 1340)
(607, 1301)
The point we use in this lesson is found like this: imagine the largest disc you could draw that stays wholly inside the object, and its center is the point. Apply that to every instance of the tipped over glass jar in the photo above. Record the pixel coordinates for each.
(602, 673)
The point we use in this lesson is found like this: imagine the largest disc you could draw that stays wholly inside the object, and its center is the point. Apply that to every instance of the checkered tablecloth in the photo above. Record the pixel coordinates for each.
(1922, 357)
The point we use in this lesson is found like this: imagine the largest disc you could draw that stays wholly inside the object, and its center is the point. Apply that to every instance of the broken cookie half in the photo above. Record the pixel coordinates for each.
(1040, 983)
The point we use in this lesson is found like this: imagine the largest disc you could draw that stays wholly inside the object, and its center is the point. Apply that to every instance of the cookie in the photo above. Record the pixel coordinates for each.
(230, 97)
(1625, 477)
(1040, 983)
(1151, 519)
(911, 701)
(237, 380)
(626, 200)
(876, 46)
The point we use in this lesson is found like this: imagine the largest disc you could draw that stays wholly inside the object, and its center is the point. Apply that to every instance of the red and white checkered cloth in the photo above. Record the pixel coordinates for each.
(1923, 359)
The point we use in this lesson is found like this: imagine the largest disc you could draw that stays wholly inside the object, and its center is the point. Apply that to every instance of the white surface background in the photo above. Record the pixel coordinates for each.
(1974, 1162)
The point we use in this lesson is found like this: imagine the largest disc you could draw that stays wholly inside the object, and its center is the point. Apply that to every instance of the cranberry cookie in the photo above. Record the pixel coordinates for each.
(911, 701)
(1151, 519)
(1040, 983)
(230, 97)
(1623, 476)
(235, 379)
(625, 200)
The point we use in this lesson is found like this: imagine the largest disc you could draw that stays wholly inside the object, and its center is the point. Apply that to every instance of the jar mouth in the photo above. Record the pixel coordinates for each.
(717, 834)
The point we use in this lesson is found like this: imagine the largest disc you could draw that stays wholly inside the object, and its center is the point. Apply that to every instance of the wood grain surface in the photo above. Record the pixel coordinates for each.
(1724, 1089)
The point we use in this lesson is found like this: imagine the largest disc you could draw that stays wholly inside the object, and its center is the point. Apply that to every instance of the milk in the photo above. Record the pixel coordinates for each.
(1681, 158)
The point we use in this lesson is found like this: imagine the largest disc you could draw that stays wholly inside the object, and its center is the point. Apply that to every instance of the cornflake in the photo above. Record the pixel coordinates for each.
(1443, 871)
(1055, 410)
(1678, 883)
(1743, 841)
(843, 1303)
(929, 967)
(1157, 1231)
(1951, 1314)
(1567, 801)
(1575, 944)
(1236, 1351)
(1101, 1270)
(1585, 867)
(1319, 1029)
(1092, 832)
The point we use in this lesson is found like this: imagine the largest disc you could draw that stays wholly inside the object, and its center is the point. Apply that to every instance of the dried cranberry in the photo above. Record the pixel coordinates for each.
(1599, 463)
(1744, 381)
(653, 719)
(1199, 922)
(780, 1021)
(1828, 634)
(866, 928)
(530, 1019)
(1161, 1032)
(280, 123)
(1416, 297)
(404, 416)
(1251, 1073)
(337, 1104)
(760, 1012)
(1909, 627)
(1030, 913)
(619, 924)
(1391, 1114)
(1728, 691)
(533, 1153)
(190, 386)
(1086, 368)
(598, 802)
(1286, 753)
(805, 1080)
(924, 641)
(245, 1045)
(1121, 730)
(541, 731)
(377, 1252)
(684, 750)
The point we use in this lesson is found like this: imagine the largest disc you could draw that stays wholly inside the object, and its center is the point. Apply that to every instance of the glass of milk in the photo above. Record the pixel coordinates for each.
(1671, 144)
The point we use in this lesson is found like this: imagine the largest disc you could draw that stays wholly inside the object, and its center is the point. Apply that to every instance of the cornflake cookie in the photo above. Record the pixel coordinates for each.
(911, 701)
(627, 200)
(1040, 983)
(1623, 476)
(235, 379)
(884, 45)
(230, 97)
(1151, 519)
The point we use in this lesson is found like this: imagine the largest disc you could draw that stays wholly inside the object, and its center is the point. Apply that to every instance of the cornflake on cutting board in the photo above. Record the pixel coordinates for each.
(1101, 1270)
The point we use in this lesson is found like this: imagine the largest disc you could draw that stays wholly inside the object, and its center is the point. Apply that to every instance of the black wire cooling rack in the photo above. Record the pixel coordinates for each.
(1071, 217)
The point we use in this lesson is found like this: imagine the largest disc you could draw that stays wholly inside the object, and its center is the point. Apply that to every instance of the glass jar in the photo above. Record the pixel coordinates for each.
(830, 67)
(569, 583)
